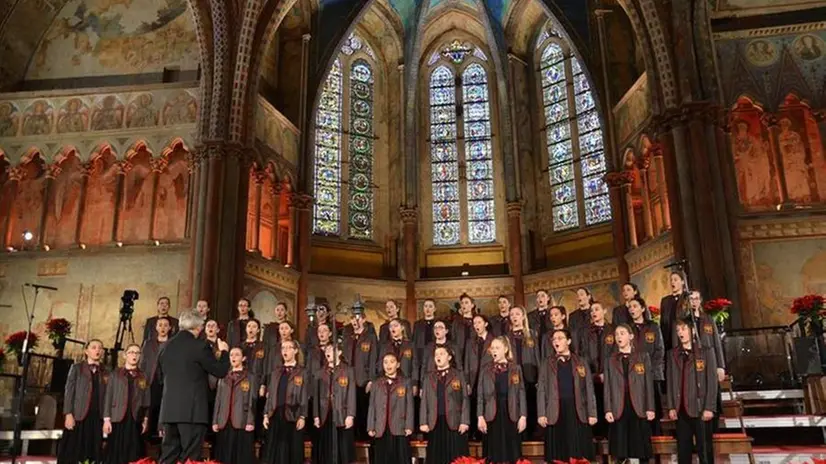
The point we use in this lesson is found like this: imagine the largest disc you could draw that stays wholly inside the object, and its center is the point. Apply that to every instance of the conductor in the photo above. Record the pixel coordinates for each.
(184, 363)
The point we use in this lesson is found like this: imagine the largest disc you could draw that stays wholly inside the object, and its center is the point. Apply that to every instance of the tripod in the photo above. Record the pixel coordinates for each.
(124, 327)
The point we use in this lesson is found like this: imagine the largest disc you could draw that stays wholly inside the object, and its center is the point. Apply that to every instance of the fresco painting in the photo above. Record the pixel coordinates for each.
(115, 37)
(757, 179)
(136, 207)
(101, 193)
(64, 203)
(653, 283)
(171, 197)
(632, 110)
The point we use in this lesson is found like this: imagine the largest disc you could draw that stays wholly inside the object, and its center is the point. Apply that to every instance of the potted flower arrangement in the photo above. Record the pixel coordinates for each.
(654, 313)
(809, 311)
(717, 309)
(58, 330)
(2, 358)
(14, 343)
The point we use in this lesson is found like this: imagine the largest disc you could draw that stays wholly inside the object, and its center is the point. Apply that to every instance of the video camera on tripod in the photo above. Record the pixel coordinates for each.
(127, 304)
(127, 310)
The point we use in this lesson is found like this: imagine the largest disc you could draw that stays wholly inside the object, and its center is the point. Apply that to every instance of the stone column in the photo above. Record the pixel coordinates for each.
(610, 142)
(85, 171)
(662, 189)
(274, 193)
(302, 109)
(158, 165)
(615, 181)
(410, 222)
(301, 206)
(254, 233)
(645, 165)
(16, 174)
(515, 247)
(51, 173)
(770, 121)
(121, 169)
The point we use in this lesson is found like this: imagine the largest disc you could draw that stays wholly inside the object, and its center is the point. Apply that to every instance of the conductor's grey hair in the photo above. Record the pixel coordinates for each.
(191, 320)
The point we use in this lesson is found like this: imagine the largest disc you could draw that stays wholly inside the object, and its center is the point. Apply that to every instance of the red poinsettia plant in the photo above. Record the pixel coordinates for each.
(809, 311)
(654, 311)
(188, 461)
(2, 358)
(58, 329)
(718, 309)
(467, 460)
(14, 342)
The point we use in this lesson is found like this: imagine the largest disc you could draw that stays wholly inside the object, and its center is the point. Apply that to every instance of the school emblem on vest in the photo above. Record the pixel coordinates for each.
(701, 365)
(408, 353)
(707, 328)
(104, 379)
(245, 385)
(400, 392)
(365, 347)
(650, 337)
(515, 379)
(609, 339)
(259, 354)
(142, 383)
(639, 368)
(343, 381)
(298, 380)
(529, 342)
(581, 371)
(456, 385)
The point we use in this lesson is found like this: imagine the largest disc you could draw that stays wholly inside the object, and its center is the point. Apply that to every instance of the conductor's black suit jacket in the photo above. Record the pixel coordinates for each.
(184, 364)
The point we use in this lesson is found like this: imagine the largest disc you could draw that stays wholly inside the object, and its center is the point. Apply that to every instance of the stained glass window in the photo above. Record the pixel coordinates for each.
(573, 133)
(347, 100)
(460, 148)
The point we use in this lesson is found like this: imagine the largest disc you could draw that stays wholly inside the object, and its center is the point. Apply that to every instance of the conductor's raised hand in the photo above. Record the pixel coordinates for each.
(222, 345)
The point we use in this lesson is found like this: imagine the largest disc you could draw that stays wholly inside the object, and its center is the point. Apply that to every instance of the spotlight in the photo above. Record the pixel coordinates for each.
(465, 269)
(82, 246)
(157, 243)
(28, 235)
(119, 244)
(46, 247)
(287, 265)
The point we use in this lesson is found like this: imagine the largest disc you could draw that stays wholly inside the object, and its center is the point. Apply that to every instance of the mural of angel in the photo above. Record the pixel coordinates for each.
(63, 204)
(27, 207)
(101, 190)
(794, 163)
(170, 200)
(137, 200)
(751, 159)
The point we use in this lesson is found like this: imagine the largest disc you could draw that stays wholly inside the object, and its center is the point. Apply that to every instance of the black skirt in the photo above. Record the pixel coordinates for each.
(629, 436)
(503, 444)
(234, 446)
(323, 444)
(285, 444)
(445, 445)
(125, 444)
(362, 406)
(391, 449)
(600, 429)
(83, 442)
(569, 437)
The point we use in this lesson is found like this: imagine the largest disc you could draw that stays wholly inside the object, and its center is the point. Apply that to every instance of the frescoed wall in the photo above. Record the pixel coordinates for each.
(646, 267)
(781, 260)
(756, 7)
(599, 277)
(340, 293)
(106, 37)
(632, 110)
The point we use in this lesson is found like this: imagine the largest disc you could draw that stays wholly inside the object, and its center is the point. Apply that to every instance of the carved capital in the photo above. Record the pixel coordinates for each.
(259, 176)
(274, 189)
(657, 150)
(514, 208)
(123, 167)
(301, 201)
(645, 160)
(158, 164)
(87, 168)
(619, 179)
(409, 215)
(819, 115)
(17, 173)
(52, 171)
(769, 120)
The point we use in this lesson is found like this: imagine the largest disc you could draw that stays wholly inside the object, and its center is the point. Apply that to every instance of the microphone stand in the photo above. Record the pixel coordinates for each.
(21, 388)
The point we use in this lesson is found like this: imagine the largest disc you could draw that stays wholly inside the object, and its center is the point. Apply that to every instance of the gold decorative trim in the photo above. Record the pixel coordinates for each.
(272, 273)
(650, 253)
(477, 288)
(52, 268)
(782, 229)
(769, 31)
(585, 274)
(369, 289)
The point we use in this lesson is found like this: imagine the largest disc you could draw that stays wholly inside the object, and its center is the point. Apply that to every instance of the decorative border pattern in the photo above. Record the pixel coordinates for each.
(585, 274)
(369, 289)
(490, 287)
(650, 253)
(753, 230)
(769, 31)
(272, 273)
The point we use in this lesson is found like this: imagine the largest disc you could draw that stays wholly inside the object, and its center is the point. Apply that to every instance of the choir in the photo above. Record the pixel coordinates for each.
(562, 378)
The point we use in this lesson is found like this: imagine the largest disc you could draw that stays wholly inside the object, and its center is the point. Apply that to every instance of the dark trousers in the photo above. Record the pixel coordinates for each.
(182, 442)
(690, 429)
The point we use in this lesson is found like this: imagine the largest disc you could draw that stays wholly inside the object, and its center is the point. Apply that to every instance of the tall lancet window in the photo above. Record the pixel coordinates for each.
(573, 136)
(344, 146)
(461, 155)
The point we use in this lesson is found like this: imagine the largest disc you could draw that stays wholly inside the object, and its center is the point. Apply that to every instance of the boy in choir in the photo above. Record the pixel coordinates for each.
(500, 324)
(390, 418)
(361, 353)
(629, 398)
(566, 404)
(237, 328)
(271, 337)
(596, 344)
(149, 328)
(540, 318)
(689, 366)
(428, 362)
(392, 310)
(125, 411)
(648, 338)
(149, 366)
(558, 318)
(322, 317)
(334, 409)
(672, 307)
(423, 328)
(501, 405)
(477, 357)
(83, 406)
(445, 410)
(404, 350)
(286, 410)
(461, 328)
(235, 409)
(581, 315)
(621, 315)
